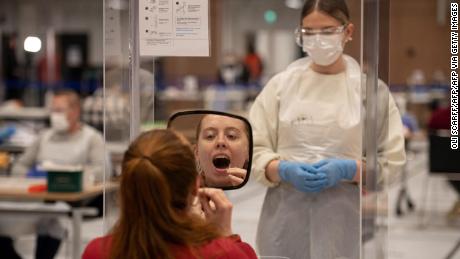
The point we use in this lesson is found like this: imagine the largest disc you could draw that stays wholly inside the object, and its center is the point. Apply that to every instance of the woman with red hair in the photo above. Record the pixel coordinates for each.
(159, 184)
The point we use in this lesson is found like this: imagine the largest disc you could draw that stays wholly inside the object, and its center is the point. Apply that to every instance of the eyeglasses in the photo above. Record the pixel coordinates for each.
(325, 31)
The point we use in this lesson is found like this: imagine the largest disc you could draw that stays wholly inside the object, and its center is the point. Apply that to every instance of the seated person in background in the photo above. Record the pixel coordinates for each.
(158, 186)
(222, 151)
(67, 142)
(440, 119)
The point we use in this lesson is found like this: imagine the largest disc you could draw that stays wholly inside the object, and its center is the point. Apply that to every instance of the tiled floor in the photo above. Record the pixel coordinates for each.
(409, 237)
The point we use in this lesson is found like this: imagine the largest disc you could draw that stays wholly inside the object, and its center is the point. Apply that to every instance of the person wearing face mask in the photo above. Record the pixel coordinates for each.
(81, 144)
(67, 142)
(307, 130)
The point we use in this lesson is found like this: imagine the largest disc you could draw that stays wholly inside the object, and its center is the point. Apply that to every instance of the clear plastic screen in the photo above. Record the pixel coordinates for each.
(151, 88)
(406, 210)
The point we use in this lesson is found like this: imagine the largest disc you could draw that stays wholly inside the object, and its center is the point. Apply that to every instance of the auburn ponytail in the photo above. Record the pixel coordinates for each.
(158, 174)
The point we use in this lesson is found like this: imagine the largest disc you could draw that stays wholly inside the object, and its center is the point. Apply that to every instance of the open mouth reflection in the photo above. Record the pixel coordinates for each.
(221, 162)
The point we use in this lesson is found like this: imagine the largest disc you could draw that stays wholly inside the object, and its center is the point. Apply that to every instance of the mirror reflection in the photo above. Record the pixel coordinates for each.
(221, 146)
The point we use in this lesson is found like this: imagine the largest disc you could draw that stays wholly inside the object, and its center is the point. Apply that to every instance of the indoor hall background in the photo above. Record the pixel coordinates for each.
(418, 39)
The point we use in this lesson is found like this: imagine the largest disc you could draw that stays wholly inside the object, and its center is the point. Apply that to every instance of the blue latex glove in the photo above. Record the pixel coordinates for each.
(302, 176)
(336, 170)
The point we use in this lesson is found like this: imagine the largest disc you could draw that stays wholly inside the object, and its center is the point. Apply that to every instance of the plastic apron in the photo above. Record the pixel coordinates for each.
(325, 225)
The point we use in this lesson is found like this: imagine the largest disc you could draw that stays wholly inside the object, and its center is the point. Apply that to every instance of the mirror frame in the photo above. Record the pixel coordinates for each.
(251, 144)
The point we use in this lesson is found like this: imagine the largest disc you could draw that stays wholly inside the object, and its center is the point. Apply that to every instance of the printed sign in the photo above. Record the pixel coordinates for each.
(174, 27)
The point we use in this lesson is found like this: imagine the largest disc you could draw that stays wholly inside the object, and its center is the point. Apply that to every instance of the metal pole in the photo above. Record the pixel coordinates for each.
(104, 114)
(2, 87)
(134, 69)
(50, 64)
(77, 215)
(370, 59)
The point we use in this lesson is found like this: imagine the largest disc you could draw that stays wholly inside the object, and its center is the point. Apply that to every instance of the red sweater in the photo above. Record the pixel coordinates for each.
(227, 247)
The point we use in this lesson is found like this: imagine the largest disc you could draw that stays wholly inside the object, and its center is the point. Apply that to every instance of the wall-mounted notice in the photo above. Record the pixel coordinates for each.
(174, 27)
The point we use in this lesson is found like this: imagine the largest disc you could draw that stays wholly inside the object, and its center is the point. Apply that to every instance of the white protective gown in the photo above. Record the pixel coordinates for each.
(305, 116)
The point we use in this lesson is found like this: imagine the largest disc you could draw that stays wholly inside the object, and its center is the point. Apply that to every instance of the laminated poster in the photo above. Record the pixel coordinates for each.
(174, 27)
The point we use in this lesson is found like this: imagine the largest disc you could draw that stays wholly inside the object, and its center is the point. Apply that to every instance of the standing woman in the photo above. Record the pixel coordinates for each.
(308, 143)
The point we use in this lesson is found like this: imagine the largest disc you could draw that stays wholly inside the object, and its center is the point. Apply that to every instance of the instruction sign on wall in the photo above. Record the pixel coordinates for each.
(174, 27)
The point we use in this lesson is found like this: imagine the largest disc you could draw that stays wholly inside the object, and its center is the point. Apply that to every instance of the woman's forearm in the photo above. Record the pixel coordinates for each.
(271, 171)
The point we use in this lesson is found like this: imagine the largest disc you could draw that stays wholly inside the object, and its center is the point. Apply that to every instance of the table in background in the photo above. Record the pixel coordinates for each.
(16, 189)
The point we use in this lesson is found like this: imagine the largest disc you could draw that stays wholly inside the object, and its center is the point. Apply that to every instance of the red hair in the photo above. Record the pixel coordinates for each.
(158, 175)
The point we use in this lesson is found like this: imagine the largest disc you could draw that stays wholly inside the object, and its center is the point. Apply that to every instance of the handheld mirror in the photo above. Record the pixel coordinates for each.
(222, 144)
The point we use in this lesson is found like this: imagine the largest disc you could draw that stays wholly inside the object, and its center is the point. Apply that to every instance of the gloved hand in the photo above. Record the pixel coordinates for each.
(336, 170)
(302, 176)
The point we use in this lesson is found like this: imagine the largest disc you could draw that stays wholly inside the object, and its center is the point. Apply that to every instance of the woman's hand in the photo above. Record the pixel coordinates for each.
(217, 209)
(303, 176)
(337, 170)
(236, 175)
